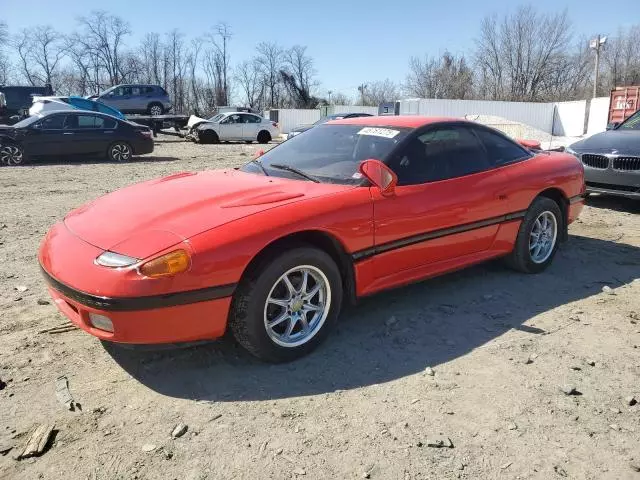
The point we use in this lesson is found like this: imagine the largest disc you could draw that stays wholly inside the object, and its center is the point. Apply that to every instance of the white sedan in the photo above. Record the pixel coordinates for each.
(233, 126)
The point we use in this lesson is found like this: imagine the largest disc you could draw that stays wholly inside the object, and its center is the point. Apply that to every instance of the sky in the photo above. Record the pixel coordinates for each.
(351, 41)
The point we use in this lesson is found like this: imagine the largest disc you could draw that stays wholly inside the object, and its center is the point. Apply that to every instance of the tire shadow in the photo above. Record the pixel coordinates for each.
(396, 333)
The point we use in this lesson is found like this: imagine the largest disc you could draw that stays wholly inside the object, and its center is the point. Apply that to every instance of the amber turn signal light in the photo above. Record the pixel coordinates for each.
(168, 264)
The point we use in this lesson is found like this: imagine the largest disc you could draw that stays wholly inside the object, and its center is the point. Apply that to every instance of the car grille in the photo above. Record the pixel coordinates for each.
(626, 164)
(595, 161)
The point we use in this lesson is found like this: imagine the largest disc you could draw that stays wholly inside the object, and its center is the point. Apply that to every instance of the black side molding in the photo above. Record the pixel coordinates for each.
(423, 237)
(130, 304)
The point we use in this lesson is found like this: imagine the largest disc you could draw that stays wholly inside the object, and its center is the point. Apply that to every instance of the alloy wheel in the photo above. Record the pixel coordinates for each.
(11, 155)
(297, 306)
(155, 110)
(120, 152)
(543, 236)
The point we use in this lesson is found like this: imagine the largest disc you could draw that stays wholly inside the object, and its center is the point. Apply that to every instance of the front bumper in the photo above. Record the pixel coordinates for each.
(609, 179)
(139, 309)
(205, 320)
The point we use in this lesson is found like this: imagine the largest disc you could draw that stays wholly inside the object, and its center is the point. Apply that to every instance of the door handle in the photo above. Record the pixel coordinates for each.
(502, 196)
(68, 133)
(108, 131)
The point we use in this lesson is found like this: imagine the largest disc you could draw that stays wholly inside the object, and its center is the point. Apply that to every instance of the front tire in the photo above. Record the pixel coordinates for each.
(12, 155)
(286, 307)
(538, 237)
(208, 136)
(120, 152)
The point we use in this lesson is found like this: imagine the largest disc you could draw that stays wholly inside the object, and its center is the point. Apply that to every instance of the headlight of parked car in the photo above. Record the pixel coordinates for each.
(115, 260)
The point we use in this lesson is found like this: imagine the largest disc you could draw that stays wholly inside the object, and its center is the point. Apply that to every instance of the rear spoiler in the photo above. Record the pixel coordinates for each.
(537, 146)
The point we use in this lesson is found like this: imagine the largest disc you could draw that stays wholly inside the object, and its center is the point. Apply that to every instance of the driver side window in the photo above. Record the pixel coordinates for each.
(439, 154)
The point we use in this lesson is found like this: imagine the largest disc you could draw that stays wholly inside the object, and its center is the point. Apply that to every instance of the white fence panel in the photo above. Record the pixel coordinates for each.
(289, 119)
(569, 118)
(598, 115)
(537, 115)
(354, 109)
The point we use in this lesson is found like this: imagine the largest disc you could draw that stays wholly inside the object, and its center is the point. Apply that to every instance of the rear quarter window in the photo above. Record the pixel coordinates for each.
(500, 150)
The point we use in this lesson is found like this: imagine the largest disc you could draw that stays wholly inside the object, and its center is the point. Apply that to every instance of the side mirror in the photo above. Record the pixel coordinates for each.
(379, 175)
(612, 125)
(532, 144)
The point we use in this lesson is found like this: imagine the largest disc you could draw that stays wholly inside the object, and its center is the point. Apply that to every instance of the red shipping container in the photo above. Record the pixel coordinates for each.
(624, 102)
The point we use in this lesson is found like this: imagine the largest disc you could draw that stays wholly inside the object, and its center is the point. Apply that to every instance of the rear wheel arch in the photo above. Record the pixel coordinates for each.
(562, 201)
(314, 238)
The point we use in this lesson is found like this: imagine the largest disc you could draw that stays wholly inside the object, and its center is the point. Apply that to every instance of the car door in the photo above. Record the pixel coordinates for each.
(47, 137)
(231, 127)
(447, 204)
(89, 134)
(509, 157)
(137, 100)
(250, 126)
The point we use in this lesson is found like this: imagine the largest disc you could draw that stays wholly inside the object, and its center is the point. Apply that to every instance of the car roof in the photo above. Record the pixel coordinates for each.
(408, 121)
(77, 112)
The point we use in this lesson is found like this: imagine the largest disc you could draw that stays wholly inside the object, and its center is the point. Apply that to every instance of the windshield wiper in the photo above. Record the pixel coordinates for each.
(259, 163)
(289, 168)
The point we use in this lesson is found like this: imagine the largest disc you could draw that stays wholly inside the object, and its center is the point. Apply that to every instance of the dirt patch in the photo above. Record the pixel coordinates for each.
(504, 350)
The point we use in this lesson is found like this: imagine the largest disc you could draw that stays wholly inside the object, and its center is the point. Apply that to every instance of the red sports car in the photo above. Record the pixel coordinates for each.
(273, 249)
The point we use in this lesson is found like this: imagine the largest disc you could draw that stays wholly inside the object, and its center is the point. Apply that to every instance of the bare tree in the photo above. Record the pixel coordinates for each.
(247, 76)
(517, 53)
(447, 77)
(298, 77)
(379, 92)
(622, 59)
(40, 50)
(5, 65)
(102, 35)
(270, 59)
(340, 99)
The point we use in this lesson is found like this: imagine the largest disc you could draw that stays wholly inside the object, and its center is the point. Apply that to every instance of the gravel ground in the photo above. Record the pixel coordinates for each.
(473, 362)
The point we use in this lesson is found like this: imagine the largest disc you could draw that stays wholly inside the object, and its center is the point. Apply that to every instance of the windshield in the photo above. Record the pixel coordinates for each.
(26, 122)
(216, 118)
(331, 153)
(631, 123)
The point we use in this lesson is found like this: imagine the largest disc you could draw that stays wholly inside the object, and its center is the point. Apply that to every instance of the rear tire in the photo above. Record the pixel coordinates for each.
(208, 136)
(264, 137)
(12, 154)
(155, 108)
(119, 152)
(538, 237)
(278, 320)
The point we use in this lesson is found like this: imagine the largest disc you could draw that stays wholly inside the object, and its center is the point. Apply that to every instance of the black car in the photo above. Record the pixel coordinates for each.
(335, 116)
(611, 159)
(73, 133)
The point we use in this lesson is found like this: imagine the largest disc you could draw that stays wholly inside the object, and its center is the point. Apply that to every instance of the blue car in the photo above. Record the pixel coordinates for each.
(47, 104)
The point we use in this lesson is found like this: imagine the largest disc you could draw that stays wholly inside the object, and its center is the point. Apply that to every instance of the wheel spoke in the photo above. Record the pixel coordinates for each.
(310, 307)
(279, 320)
(312, 293)
(305, 280)
(279, 301)
(290, 288)
(292, 323)
(304, 322)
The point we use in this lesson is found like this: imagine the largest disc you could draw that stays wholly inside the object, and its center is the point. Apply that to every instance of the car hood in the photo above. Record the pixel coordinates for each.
(148, 217)
(623, 142)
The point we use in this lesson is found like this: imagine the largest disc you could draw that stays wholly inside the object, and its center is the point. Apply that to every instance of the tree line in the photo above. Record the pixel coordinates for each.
(525, 55)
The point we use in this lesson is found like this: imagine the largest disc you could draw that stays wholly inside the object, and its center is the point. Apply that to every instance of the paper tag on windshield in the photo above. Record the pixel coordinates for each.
(379, 132)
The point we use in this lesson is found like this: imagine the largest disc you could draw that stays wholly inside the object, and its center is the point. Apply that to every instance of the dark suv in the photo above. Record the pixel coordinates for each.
(151, 99)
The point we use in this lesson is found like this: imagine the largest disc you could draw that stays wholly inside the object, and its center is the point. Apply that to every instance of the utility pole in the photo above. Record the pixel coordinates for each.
(361, 89)
(330, 92)
(596, 44)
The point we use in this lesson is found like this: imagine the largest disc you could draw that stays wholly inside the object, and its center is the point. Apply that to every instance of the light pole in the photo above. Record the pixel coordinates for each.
(596, 44)
(330, 92)
(361, 89)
